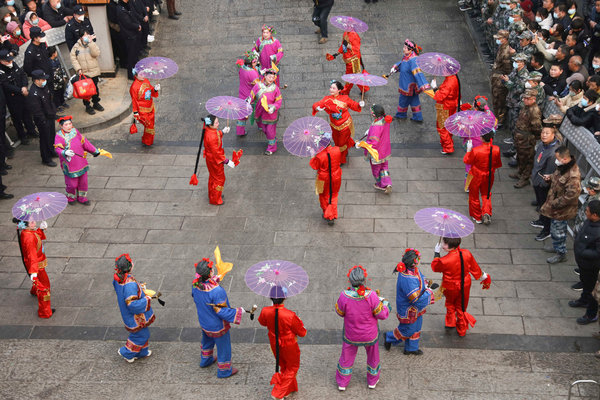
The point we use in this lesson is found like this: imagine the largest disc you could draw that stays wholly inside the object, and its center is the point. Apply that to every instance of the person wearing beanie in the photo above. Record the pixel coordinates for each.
(31, 239)
(457, 267)
(378, 140)
(136, 310)
(16, 34)
(361, 309)
(528, 128)
(249, 77)
(215, 316)
(413, 295)
(284, 328)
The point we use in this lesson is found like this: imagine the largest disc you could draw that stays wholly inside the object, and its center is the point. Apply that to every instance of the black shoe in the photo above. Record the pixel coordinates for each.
(513, 163)
(387, 345)
(90, 110)
(586, 320)
(537, 224)
(415, 353)
(6, 196)
(173, 17)
(3, 188)
(577, 286)
(542, 236)
(330, 222)
(49, 163)
(577, 304)
(557, 258)
(177, 13)
(509, 153)
(98, 107)
(3, 172)
(6, 166)
(534, 203)
(575, 270)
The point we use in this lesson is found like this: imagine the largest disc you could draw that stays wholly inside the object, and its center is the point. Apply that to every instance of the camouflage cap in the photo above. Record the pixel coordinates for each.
(502, 33)
(520, 57)
(535, 76)
(553, 120)
(517, 11)
(520, 26)
(592, 183)
(530, 93)
(526, 35)
(515, 1)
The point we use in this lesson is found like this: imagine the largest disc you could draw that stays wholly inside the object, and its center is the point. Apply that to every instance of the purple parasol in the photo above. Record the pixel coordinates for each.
(365, 79)
(228, 107)
(349, 24)
(438, 64)
(443, 222)
(39, 206)
(470, 123)
(307, 136)
(276, 278)
(156, 67)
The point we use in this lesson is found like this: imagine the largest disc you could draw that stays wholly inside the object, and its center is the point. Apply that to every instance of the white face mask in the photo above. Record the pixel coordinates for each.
(81, 17)
(538, 19)
(571, 11)
(558, 163)
(10, 65)
(43, 39)
(528, 85)
(585, 190)
(7, 19)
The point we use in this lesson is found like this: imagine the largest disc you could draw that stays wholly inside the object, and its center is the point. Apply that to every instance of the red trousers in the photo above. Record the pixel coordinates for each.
(455, 317)
(289, 364)
(479, 185)
(147, 119)
(343, 139)
(216, 182)
(445, 136)
(329, 212)
(41, 289)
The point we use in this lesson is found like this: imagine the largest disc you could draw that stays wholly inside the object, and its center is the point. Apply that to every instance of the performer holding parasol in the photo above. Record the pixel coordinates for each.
(413, 295)
(377, 148)
(337, 105)
(26, 212)
(72, 149)
(269, 50)
(134, 304)
(214, 316)
(361, 309)
(249, 77)
(142, 92)
(284, 327)
(410, 83)
(457, 267)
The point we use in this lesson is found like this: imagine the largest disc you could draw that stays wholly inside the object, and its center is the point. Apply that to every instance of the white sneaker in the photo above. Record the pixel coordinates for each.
(375, 384)
(150, 38)
(155, 12)
(129, 360)
(388, 189)
(477, 221)
(341, 388)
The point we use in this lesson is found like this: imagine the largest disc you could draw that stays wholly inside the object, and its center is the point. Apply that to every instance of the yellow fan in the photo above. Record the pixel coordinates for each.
(374, 153)
(274, 66)
(263, 102)
(222, 267)
(150, 292)
(468, 181)
(105, 153)
(429, 93)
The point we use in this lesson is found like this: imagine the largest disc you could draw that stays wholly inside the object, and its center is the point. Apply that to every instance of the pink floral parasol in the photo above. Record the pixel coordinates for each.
(444, 222)
(349, 24)
(470, 123)
(156, 68)
(307, 136)
(228, 107)
(39, 206)
(365, 79)
(438, 64)
(276, 278)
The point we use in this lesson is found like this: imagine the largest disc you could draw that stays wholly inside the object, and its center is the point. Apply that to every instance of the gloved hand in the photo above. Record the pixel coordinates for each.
(136, 114)
(393, 69)
(230, 164)
(271, 109)
(157, 87)
(469, 145)
(438, 248)
(273, 57)
(33, 277)
(243, 311)
(69, 153)
(433, 84)
(226, 129)
(248, 100)
(320, 108)
(486, 281)
(357, 145)
(361, 103)
(44, 225)
(262, 71)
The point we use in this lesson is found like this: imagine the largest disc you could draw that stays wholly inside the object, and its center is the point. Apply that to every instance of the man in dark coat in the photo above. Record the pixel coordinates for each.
(36, 55)
(78, 24)
(55, 14)
(130, 30)
(587, 255)
(44, 113)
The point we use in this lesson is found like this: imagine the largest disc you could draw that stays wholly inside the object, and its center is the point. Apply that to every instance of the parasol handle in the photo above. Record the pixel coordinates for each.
(362, 95)
(254, 307)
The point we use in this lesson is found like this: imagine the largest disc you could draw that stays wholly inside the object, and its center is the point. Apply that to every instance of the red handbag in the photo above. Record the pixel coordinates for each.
(84, 88)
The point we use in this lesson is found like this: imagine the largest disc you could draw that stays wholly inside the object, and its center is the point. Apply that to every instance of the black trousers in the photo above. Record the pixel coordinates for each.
(19, 113)
(589, 276)
(96, 97)
(321, 13)
(541, 194)
(45, 128)
(131, 53)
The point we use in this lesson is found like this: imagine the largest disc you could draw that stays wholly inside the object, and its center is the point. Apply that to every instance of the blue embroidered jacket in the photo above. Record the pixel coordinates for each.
(412, 295)
(411, 80)
(133, 303)
(214, 313)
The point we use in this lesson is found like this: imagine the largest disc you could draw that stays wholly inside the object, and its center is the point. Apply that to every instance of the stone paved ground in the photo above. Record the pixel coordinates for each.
(526, 343)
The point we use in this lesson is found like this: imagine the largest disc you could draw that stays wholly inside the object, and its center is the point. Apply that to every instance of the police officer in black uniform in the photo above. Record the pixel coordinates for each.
(14, 85)
(130, 31)
(78, 24)
(44, 113)
(36, 55)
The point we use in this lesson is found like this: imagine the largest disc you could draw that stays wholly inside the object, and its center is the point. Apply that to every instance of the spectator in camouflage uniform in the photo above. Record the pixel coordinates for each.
(502, 67)
(487, 11)
(498, 21)
(525, 45)
(527, 130)
(533, 82)
(515, 83)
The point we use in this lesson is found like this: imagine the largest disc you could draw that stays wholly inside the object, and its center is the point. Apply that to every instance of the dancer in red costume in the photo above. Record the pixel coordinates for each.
(446, 97)
(337, 105)
(329, 180)
(284, 327)
(350, 51)
(457, 267)
(142, 92)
